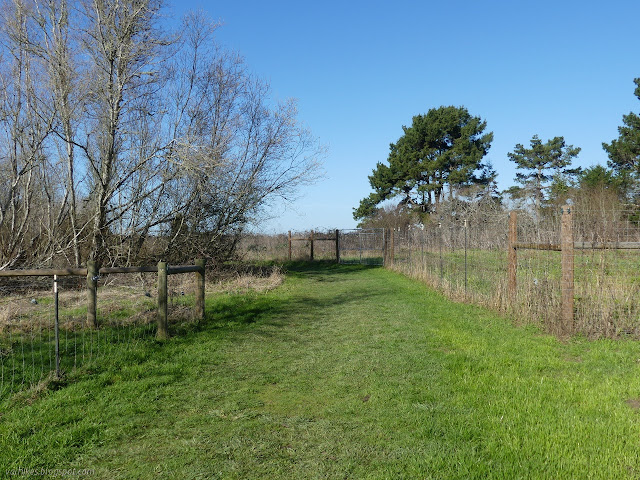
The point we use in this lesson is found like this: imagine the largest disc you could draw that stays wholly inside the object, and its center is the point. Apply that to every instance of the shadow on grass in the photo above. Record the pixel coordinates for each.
(228, 316)
(324, 270)
(246, 309)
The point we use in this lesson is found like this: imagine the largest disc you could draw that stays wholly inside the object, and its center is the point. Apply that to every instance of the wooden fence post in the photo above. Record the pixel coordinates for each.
(200, 279)
(566, 245)
(92, 294)
(163, 331)
(512, 257)
(289, 245)
(337, 246)
(392, 246)
(311, 238)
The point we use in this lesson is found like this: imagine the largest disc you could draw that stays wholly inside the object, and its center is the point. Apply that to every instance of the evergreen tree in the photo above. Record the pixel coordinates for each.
(624, 153)
(541, 163)
(441, 149)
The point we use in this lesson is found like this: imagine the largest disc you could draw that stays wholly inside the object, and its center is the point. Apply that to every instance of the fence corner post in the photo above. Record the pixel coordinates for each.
(92, 294)
(512, 257)
(200, 288)
(337, 246)
(566, 245)
(163, 331)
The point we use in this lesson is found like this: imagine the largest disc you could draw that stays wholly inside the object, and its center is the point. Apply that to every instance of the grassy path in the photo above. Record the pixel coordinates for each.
(342, 372)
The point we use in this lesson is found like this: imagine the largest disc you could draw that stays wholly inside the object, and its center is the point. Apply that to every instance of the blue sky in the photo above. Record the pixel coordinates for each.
(361, 70)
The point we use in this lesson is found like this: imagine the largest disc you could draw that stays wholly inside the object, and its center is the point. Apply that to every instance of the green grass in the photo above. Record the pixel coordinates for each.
(606, 285)
(342, 372)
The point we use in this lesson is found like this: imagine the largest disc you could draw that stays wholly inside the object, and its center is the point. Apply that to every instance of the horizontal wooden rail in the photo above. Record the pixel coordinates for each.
(537, 246)
(48, 272)
(82, 272)
(184, 269)
(143, 269)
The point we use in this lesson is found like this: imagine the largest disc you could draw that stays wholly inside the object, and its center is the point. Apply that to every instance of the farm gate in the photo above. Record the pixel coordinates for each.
(363, 245)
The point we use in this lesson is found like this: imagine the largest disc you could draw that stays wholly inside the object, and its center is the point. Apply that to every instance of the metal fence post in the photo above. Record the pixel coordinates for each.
(512, 257)
(200, 288)
(92, 294)
(385, 247)
(289, 245)
(337, 246)
(311, 238)
(163, 331)
(465, 256)
(566, 245)
(440, 241)
(57, 324)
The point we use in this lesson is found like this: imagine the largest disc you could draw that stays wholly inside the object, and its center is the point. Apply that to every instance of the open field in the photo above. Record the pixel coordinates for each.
(606, 283)
(341, 372)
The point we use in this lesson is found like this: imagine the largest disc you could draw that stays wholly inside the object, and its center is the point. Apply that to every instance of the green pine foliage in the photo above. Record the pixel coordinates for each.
(624, 152)
(443, 148)
(544, 165)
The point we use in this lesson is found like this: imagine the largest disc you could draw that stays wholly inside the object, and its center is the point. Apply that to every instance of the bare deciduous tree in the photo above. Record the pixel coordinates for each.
(120, 136)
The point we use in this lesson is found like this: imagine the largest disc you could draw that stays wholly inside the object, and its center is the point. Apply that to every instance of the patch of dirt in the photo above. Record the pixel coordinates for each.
(573, 359)
(634, 403)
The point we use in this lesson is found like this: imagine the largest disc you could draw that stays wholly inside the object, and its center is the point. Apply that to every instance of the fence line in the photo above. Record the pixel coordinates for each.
(312, 239)
(567, 272)
(34, 346)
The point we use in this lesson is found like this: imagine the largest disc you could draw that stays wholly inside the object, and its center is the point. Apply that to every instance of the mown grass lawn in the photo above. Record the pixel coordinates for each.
(341, 372)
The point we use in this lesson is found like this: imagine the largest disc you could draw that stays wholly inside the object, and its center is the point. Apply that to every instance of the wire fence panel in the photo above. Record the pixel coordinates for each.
(607, 266)
(464, 259)
(467, 259)
(362, 246)
(44, 333)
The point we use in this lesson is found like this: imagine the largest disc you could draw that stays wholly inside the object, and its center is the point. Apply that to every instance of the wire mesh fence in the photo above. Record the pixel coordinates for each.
(607, 268)
(465, 259)
(295, 245)
(468, 259)
(45, 333)
(364, 246)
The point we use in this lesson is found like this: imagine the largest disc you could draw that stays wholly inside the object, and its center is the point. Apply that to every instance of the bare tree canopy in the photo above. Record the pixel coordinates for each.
(123, 138)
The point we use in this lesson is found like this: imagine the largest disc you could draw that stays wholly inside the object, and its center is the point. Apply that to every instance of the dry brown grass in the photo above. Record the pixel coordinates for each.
(242, 282)
(135, 294)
